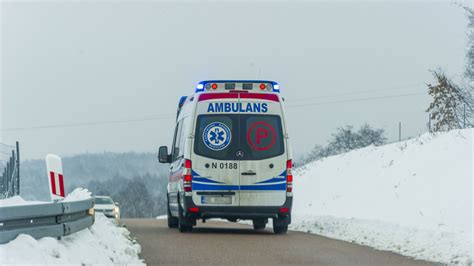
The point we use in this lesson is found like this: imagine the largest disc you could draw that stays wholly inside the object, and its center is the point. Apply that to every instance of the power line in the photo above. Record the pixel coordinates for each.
(6, 145)
(169, 116)
(94, 123)
(358, 92)
(356, 100)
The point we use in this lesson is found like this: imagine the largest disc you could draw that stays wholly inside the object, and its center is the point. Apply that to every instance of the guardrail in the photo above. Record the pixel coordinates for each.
(54, 219)
(10, 179)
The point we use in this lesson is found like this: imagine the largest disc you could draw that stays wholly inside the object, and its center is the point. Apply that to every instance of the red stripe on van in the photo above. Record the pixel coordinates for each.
(260, 96)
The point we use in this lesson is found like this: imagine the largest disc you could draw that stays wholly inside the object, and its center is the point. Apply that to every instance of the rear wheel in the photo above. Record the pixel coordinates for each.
(280, 229)
(259, 224)
(184, 224)
(172, 221)
(280, 225)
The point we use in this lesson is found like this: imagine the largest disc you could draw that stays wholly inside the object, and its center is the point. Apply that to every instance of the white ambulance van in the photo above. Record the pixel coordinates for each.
(230, 156)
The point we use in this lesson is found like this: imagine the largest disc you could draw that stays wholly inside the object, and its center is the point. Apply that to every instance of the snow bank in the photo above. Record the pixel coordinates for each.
(103, 243)
(78, 194)
(17, 201)
(75, 195)
(413, 197)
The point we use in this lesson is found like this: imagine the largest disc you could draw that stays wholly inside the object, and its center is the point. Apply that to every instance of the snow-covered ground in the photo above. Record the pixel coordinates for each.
(103, 243)
(413, 197)
(77, 194)
(17, 201)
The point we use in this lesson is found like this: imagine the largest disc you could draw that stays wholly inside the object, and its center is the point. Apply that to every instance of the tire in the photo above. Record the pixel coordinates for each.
(259, 224)
(279, 230)
(280, 225)
(172, 221)
(183, 224)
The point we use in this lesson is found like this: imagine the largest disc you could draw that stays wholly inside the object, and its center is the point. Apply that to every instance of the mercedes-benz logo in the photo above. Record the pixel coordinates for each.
(239, 154)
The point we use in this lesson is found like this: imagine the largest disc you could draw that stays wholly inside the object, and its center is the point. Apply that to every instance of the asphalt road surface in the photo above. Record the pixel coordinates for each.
(223, 243)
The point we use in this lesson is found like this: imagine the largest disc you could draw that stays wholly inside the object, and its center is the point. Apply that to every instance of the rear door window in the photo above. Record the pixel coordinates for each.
(261, 136)
(238, 137)
(214, 136)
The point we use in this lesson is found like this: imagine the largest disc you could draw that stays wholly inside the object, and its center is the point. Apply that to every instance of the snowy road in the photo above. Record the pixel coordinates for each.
(222, 243)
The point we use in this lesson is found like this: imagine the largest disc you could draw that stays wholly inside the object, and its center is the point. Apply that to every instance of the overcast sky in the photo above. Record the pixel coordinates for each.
(337, 63)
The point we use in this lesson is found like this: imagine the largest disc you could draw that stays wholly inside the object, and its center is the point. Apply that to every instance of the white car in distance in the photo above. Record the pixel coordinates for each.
(107, 206)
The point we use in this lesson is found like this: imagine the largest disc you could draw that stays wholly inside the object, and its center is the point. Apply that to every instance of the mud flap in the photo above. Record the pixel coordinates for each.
(282, 220)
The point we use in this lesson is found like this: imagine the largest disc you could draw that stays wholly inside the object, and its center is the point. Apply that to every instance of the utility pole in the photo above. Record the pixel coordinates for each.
(399, 131)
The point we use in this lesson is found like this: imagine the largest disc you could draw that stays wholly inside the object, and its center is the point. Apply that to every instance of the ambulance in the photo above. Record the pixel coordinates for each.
(230, 156)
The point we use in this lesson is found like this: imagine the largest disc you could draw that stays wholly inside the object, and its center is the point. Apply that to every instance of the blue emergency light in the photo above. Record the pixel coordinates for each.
(256, 85)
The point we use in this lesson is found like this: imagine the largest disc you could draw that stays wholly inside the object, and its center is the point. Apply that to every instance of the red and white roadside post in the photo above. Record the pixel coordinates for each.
(54, 167)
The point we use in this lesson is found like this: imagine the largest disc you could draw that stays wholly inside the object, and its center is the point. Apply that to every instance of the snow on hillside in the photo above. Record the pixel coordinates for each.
(413, 197)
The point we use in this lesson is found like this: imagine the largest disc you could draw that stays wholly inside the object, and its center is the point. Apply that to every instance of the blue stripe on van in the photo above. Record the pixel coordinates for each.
(272, 180)
(198, 186)
(264, 187)
(216, 185)
(206, 180)
(197, 177)
(281, 177)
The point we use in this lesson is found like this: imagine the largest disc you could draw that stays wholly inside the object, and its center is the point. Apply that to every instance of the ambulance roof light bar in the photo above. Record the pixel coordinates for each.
(201, 86)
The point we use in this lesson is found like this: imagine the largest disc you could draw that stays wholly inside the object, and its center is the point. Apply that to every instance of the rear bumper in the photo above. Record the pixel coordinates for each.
(238, 212)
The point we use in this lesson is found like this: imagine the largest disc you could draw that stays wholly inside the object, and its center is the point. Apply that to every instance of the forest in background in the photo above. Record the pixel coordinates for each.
(135, 180)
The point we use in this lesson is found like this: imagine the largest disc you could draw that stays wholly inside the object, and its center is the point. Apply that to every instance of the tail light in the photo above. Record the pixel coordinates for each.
(193, 209)
(289, 176)
(188, 178)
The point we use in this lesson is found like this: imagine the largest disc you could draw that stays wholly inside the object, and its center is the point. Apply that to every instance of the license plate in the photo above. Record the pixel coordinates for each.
(216, 200)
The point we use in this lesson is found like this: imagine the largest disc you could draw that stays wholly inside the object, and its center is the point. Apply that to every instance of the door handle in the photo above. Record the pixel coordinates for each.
(249, 172)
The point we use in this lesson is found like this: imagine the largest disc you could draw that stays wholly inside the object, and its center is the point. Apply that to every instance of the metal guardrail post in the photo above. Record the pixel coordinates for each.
(18, 168)
(10, 174)
(10, 178)
(5, 184)
(2, 185)
(7, 191)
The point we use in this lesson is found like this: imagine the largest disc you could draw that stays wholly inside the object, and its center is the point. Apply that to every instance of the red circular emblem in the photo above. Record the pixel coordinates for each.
(261, 136)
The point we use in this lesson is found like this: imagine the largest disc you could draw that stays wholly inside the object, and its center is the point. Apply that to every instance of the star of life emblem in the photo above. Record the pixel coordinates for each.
(216, 136)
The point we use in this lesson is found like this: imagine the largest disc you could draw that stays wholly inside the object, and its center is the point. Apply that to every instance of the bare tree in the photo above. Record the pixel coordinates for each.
(317, 153)
(469, 72)
(451, 107)
(367, 136)
(346, 139)
(136, 200)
